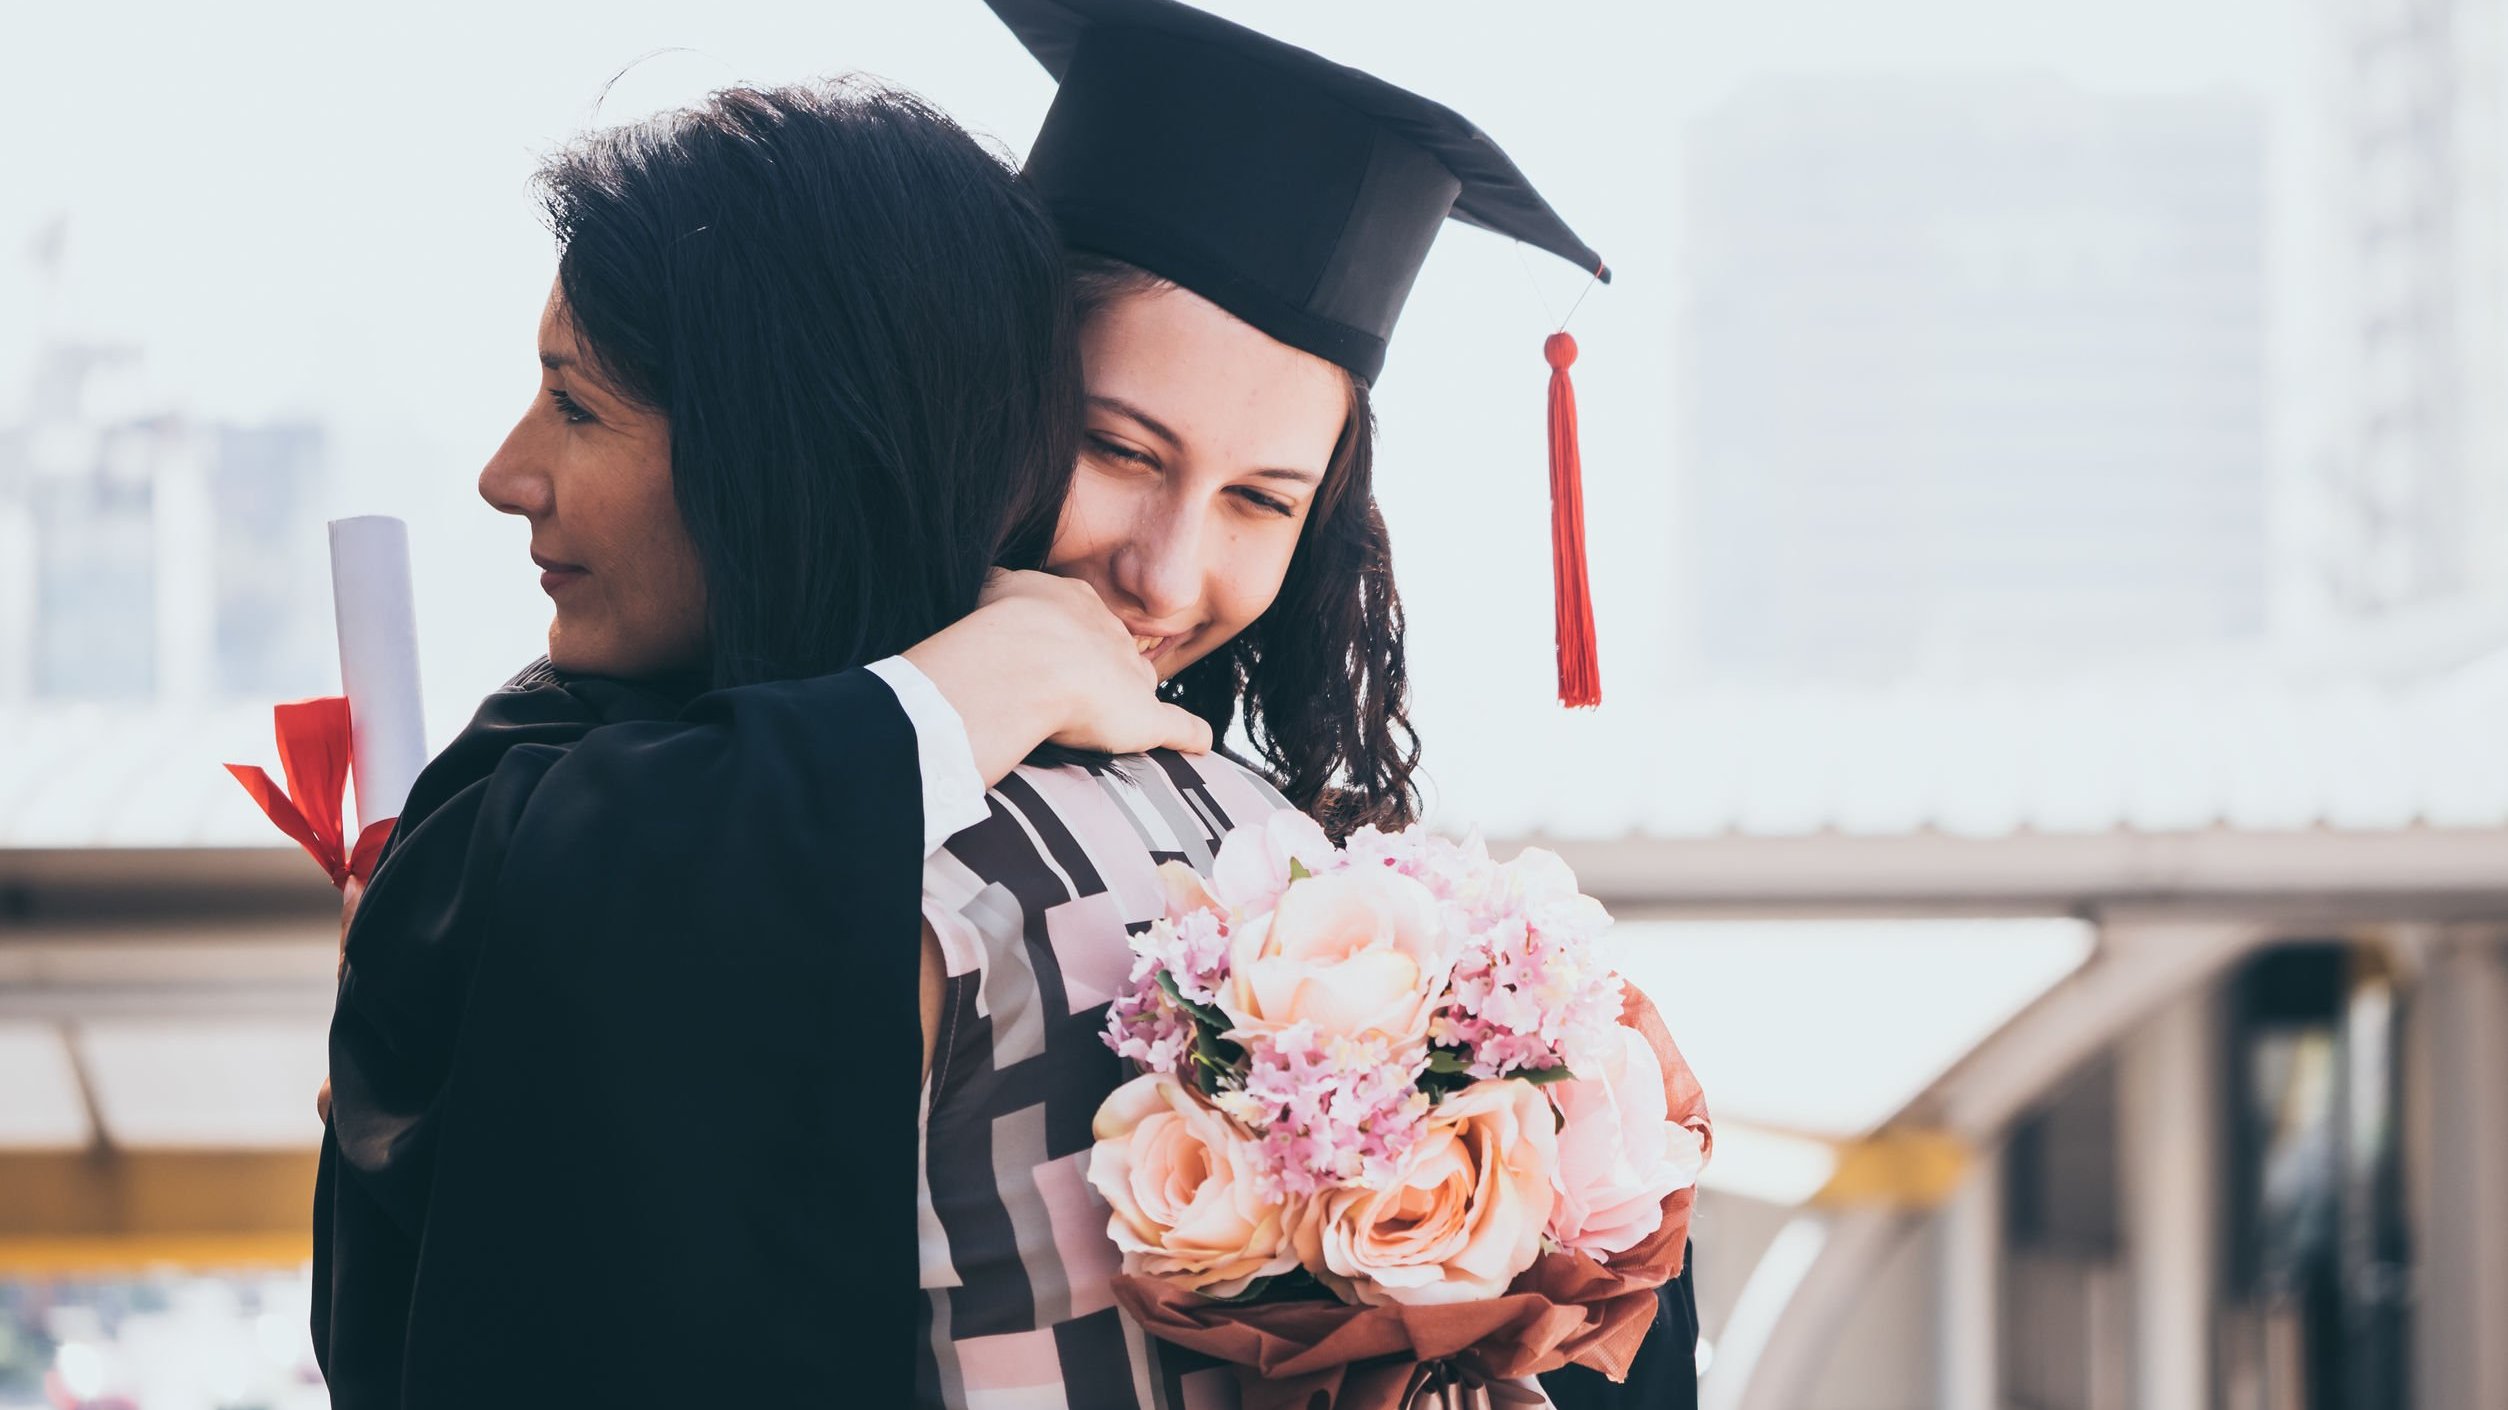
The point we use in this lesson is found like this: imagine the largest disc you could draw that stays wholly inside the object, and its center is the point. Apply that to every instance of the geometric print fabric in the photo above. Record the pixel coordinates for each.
(1032, 907)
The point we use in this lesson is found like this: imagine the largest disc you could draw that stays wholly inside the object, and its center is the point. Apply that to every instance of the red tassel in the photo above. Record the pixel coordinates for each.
(1580, 671)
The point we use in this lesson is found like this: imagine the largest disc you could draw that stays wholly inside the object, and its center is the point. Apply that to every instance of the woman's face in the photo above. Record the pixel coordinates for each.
(1205, 443)
(591, 470)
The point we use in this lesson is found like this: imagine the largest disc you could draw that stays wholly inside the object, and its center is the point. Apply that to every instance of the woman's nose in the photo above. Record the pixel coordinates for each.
(515, 480)
(1161, 567)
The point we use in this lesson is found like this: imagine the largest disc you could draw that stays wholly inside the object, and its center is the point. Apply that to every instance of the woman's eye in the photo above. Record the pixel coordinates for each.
(568, 407)
(1117, 451)
(1268, 504)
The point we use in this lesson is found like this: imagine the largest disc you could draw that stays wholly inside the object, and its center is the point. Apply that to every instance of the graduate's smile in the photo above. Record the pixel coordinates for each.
(1154, 644)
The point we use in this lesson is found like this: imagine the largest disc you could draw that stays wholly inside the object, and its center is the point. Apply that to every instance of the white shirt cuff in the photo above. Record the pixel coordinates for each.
(953, 792)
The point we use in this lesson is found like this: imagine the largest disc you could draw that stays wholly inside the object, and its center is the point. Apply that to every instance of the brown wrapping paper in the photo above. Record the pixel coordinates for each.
(1565, 1308)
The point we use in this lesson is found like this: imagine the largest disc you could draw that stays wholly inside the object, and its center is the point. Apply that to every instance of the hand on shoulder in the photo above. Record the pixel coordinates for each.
(1042, 661)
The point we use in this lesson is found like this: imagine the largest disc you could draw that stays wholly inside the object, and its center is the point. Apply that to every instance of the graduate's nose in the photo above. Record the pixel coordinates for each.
(1161, 565)
(513, 482)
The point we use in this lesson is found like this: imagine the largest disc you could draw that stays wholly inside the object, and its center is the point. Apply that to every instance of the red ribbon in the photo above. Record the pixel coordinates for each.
(314, 746)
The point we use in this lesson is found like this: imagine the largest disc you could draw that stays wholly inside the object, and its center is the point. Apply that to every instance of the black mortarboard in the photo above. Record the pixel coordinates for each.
(1297, 194)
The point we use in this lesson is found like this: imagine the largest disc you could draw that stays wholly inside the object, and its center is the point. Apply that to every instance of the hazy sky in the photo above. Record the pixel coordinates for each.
(313, 211)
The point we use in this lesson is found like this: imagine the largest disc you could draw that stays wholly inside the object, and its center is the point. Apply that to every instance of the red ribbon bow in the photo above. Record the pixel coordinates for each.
(314, 745)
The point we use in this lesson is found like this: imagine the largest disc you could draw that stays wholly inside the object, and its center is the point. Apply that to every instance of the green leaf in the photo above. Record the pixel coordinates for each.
(1447, 1061)
(1297, 870)
(1203, 1014)
(1543, 1077)
(1221, 1054)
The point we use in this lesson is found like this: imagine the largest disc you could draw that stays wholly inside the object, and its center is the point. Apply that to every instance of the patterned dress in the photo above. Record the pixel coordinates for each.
(1031, 907)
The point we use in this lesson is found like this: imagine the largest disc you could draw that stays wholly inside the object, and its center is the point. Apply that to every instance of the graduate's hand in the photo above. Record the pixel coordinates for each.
(1041, 661)
(351, 892)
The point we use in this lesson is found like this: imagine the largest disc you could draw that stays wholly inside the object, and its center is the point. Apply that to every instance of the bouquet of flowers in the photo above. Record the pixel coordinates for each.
(1397, 1130)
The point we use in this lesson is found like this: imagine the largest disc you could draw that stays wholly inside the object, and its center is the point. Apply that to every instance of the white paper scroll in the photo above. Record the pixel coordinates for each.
(378, 623)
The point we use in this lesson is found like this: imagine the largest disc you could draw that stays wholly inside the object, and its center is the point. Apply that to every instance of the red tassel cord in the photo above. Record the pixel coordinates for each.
(313, 753)
(1580, 672)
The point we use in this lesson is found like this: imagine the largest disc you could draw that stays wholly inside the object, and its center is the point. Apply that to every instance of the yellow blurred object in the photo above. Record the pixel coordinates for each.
(1896, 1169)
(137, 1253)
(73, 1212)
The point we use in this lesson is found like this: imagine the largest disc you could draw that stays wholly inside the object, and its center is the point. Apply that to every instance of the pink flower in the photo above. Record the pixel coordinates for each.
(1146, 1026)
(1374, 849)
(1620, 1153)
(1354, 953)
(1328, 1112)
(1540, 876)
(1456, 873)
(1457, 1221)
(1188, 945)
(1252, 869)
(1530, 989)
(1190, 942)
(1183, 1184)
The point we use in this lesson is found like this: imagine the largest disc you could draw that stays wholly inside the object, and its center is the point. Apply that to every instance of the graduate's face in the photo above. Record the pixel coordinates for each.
(591, 470)
(1206, 441)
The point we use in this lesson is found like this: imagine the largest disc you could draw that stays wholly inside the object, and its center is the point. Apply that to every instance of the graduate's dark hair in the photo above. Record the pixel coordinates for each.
(1320, 675)
(858, 324)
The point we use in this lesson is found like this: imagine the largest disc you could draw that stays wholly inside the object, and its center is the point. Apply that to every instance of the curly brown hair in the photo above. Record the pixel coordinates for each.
(1320, 675)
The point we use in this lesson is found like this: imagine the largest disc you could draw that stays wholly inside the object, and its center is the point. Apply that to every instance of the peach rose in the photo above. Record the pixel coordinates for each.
(1462, 1218)
(1354, 953)
(1620, 1152)
(1182, 1183)
(1252, 867)
(1185, 892)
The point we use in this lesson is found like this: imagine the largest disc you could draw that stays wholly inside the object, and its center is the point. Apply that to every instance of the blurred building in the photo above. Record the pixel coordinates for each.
(273, 629)
(2407, 471)
(146, 556)
(1973, 376)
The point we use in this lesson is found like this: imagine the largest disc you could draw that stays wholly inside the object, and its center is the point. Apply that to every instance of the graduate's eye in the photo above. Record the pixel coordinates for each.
(1268, 503)
(568, 407)
(1123, 454)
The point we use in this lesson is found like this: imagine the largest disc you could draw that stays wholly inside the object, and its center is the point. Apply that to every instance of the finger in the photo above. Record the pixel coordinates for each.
(1184, 730)
(1009, 584)
(1091, 604)
(322, 1100)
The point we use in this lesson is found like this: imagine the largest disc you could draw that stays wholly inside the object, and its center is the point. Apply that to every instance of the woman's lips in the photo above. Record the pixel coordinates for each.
(555, 575)
(1153, 647)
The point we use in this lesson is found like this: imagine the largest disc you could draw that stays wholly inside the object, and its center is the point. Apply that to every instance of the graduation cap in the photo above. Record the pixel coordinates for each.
(1296, 193)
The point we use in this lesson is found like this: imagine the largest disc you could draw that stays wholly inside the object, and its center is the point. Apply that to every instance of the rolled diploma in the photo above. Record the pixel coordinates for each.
(378, 625)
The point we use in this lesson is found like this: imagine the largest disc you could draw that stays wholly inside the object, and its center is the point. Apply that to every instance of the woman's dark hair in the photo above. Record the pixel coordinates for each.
(858, 325)
(1320, 675)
